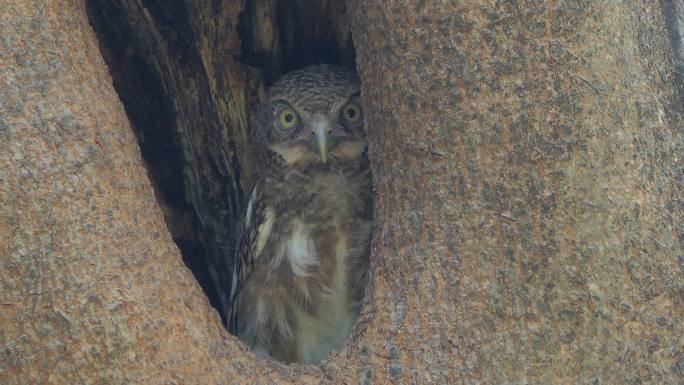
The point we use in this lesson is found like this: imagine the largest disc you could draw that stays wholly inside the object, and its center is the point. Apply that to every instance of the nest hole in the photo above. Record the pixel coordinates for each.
(190, 145)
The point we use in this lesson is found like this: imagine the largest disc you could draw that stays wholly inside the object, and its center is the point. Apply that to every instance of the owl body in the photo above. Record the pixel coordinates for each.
(302, 257)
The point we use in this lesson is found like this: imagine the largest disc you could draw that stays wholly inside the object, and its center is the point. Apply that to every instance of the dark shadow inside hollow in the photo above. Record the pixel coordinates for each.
(150, 108)
(281, 36)
(156, 57)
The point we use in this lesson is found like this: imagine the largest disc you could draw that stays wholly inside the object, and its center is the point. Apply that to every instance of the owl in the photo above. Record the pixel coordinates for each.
(301, 259)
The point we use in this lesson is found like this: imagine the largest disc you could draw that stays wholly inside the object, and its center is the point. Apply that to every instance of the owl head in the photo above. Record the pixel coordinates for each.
(312, 118)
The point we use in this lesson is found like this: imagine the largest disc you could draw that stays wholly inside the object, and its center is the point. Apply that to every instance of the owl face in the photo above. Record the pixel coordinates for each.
(314, 117)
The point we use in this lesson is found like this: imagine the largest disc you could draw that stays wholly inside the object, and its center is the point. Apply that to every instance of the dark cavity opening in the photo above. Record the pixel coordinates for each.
(188, 102)
(280, 36)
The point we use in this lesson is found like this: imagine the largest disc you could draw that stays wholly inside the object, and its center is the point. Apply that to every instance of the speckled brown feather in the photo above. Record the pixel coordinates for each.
(320, 212)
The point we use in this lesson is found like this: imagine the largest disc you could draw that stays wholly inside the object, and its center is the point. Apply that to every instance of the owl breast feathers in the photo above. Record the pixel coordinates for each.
(302, 254)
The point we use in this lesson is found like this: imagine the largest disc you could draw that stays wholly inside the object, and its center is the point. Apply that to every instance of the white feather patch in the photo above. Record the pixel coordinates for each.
(233, 285)
(250, 207)
(301, 251)
(264, 230)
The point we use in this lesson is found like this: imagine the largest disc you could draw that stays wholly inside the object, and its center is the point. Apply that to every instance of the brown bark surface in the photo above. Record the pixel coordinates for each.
(173, 65)
(92, 288)
(528, 160)
(529, 219)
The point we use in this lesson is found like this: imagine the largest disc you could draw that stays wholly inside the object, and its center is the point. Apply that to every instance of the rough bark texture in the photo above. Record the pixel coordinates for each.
(528, 163)
(529, 219)
(173, 65)
(92, 288)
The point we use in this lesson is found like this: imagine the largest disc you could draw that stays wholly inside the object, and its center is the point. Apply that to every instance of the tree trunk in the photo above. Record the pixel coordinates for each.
(527, 161)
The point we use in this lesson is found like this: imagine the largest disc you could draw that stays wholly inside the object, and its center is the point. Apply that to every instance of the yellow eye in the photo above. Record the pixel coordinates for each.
(288, 118)
(351, 112)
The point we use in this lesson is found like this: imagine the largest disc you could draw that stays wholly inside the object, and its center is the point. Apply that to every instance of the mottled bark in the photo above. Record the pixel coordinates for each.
(173, 65)
(92, 288)
(528, 163)
(529, 218)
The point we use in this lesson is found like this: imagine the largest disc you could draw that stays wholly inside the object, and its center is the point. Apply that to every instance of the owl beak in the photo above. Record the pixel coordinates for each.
(322, 142)
(320, 128)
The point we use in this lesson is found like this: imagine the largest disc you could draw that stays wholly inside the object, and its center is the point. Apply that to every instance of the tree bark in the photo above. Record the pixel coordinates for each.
(529, 180)
(173, 66)
(529, 222)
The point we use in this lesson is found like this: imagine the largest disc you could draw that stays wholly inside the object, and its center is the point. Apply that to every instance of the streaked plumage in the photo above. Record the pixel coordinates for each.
(302, 256)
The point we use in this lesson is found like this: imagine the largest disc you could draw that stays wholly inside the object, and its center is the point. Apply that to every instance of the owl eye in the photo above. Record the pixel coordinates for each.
(351, 112)
(288, 118)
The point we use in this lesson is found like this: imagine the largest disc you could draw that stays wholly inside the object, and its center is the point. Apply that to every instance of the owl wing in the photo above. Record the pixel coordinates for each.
(254, 229)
